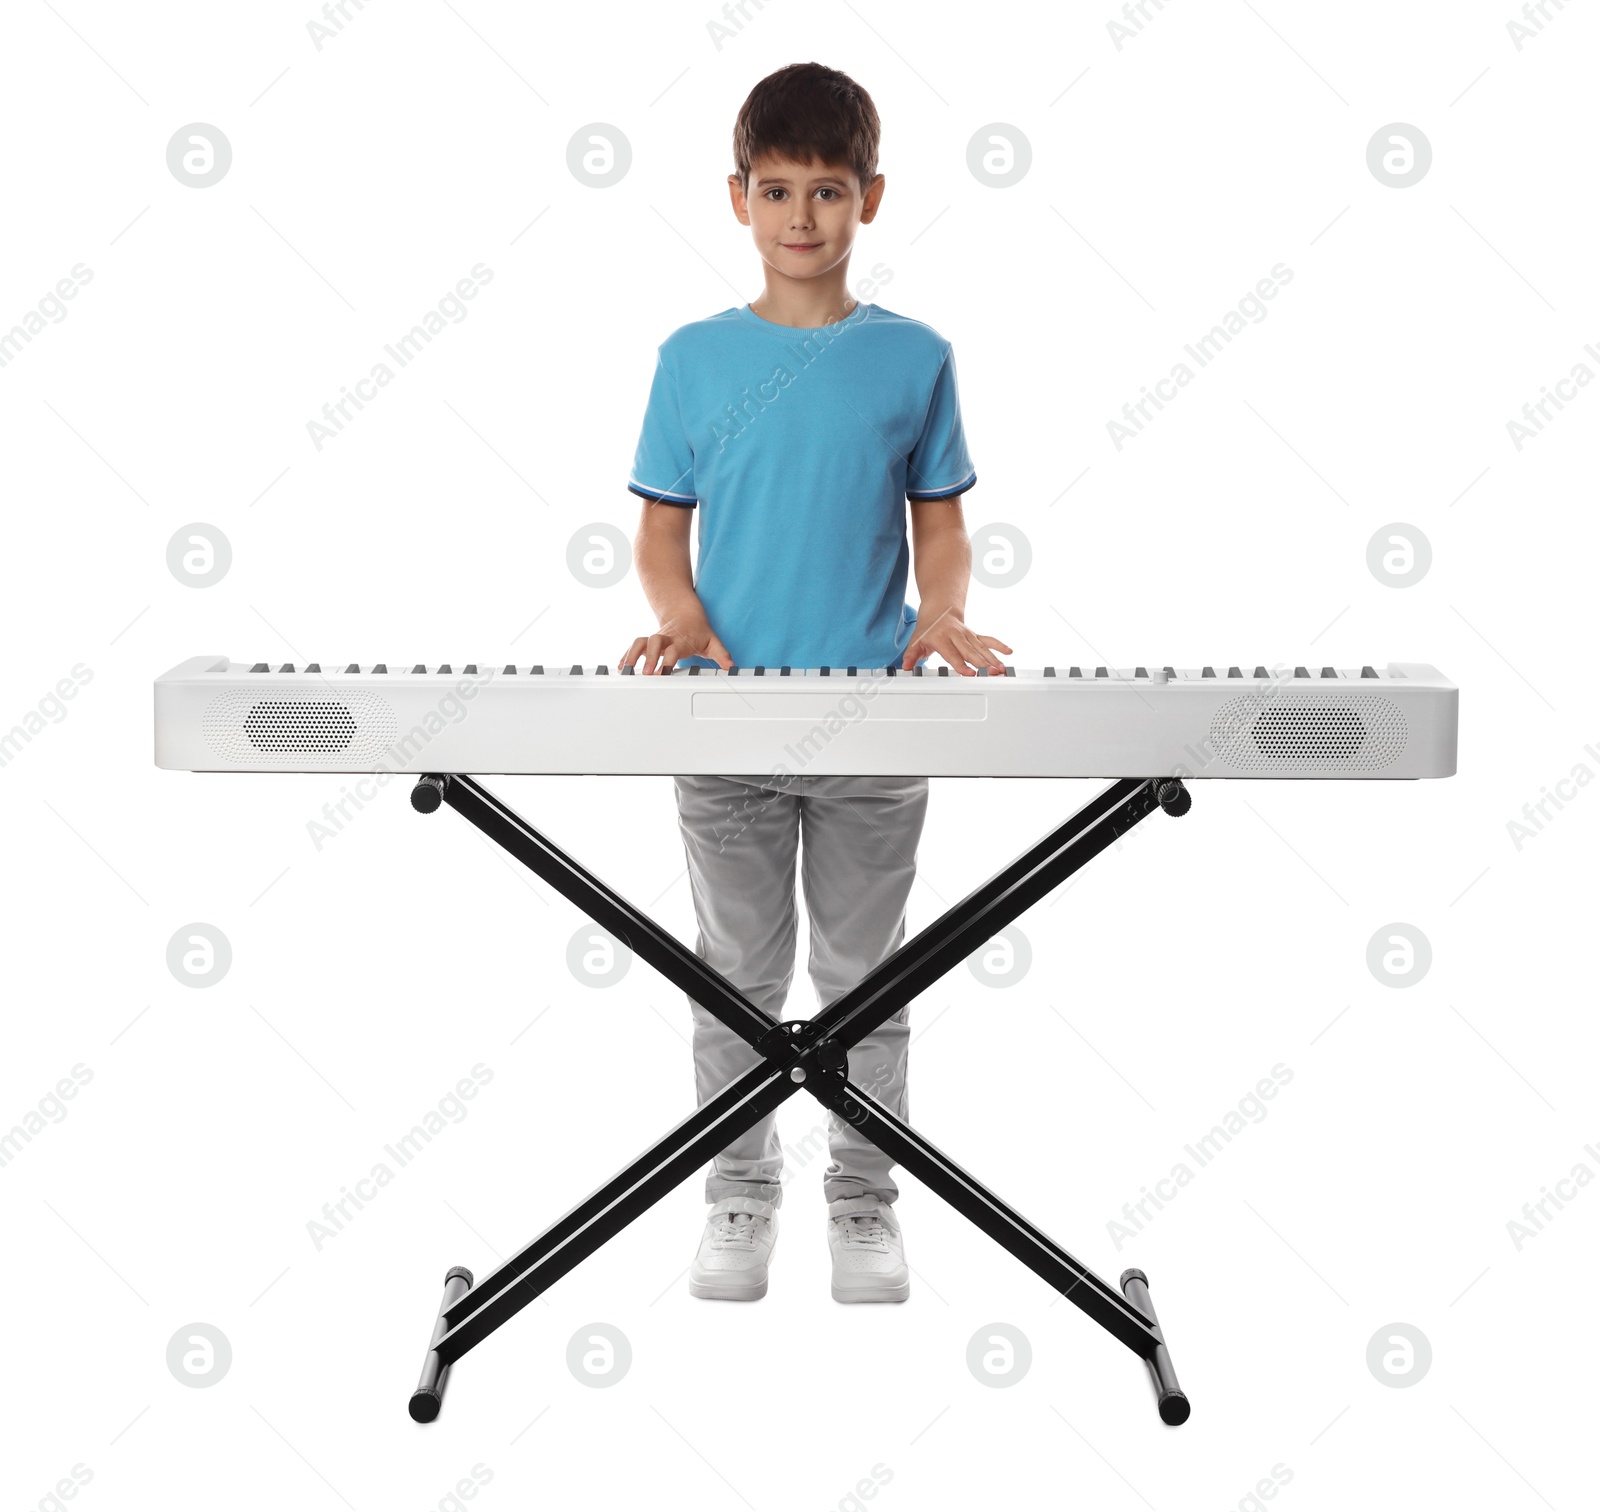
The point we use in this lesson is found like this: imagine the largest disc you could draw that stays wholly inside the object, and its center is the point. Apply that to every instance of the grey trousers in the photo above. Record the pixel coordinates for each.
(741, 836)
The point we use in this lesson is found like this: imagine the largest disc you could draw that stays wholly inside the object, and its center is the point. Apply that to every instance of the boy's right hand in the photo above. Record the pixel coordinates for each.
(691, 636)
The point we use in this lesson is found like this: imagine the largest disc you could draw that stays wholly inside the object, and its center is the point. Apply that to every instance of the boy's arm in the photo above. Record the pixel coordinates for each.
(661, 557)
(942, 560)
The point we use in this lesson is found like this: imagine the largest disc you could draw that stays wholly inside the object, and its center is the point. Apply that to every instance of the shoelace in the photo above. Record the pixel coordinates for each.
(864, 1231)
(734, 1231)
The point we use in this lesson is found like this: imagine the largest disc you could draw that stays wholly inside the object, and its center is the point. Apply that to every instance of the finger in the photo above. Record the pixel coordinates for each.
(630, 657)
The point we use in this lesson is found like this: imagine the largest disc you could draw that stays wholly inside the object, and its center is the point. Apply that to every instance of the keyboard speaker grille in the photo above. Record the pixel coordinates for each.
(298, 729)
(1360, 732)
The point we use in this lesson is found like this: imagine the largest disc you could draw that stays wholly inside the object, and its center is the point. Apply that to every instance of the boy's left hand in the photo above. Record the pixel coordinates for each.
(945, 632)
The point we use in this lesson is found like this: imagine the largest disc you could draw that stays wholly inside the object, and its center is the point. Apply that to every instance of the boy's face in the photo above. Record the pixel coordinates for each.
(804, 215)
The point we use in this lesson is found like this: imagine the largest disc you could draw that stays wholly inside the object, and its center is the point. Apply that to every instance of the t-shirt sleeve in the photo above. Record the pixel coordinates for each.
(938, 466)
(663, 464)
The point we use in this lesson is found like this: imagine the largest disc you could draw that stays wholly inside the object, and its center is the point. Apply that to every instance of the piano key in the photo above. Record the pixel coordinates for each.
(602, 670)
(470, 670)
(850, 672)
(1368, 672)
(1234, 672)
(917, 671)
(317, 667)
(1329, 672)
(1140, 672)
(1048, 671)
(761, 671)
(824, 670)
(1011, 671)
(629, 672)
(1169, 672)
(1208, 671)
(510, 669)
(419, 668)
(944, 671)
(381, 667)
(537, 670)
(445, 667)
(1301, 672)
(694, 671)
(576, 671)
(287, 667)
(1099, 671)
(1074, 671)
(784, 671)
(1262, 673)
(261, 667)
(353, 667)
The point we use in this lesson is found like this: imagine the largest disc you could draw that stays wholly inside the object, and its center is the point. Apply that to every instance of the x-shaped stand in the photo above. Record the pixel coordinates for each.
(812, 1054)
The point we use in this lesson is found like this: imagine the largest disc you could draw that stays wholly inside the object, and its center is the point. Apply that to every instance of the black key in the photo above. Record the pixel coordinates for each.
(1048, 671)
(629, 672)
(510, 669)
(1011, 671)
(761, 671)
(470, 670)
(694, 671)
(916, 671)
(1368, 672)
(317, 667)
(445, 667)
(893, 671)
(1329, 672)
(1261, 672)
(784, 671)
(1074, 671)
(381, 667)
(944, 671)
(1208, 671)
(1169, 671)
(849, 671)
(536, 671)
(353, 667)
(602, 670)
(1099, 671)
(824, 671)
(419, 668)
(1234, 672)
(577, 670)
(261, 667)
(1140, 672)
(983, 671)
(1301, 672)
(287, 667)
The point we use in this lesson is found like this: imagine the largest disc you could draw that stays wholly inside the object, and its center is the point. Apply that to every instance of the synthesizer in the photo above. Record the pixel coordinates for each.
(1223, 721)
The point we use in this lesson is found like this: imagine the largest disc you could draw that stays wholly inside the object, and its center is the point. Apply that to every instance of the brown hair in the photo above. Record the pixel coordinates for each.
(811, 114)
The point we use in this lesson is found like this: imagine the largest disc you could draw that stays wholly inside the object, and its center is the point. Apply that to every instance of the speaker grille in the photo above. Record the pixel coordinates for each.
(295, 729)
(1359, 732)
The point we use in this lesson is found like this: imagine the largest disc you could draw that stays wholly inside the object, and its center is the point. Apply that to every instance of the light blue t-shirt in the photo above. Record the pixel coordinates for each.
(801, 447)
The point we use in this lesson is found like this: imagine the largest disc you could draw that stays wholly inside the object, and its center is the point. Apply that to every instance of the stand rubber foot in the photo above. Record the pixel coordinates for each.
(428, 1398)
(1171, 1403)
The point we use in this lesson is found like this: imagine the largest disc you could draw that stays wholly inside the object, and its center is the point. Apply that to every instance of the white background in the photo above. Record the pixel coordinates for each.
(1167, 177)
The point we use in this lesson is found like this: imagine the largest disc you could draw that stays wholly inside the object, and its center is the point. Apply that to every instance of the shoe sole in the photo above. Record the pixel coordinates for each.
(882, 1294)
(710, 1291)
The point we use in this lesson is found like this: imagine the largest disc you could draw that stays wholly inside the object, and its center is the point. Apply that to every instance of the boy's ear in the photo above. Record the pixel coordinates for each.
(736, 195)
(870, 200)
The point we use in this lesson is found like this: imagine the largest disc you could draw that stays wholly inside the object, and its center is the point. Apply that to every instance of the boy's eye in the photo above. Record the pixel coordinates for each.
(829, 191)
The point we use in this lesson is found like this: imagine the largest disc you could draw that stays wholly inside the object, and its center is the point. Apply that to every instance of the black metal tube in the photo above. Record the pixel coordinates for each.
(1171, 1403)
(428, 1398)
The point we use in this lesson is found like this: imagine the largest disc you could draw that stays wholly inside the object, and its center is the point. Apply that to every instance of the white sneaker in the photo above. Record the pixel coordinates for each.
(732, 1263)
(869, 1253)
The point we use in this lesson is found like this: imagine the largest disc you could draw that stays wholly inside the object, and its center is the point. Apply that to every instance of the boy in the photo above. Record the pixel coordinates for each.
(800, 424)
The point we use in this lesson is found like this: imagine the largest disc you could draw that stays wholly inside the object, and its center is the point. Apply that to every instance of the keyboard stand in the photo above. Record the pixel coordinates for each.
(809, 1054)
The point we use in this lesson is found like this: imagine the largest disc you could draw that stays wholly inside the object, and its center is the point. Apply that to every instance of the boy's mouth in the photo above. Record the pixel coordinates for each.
(800, 246)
